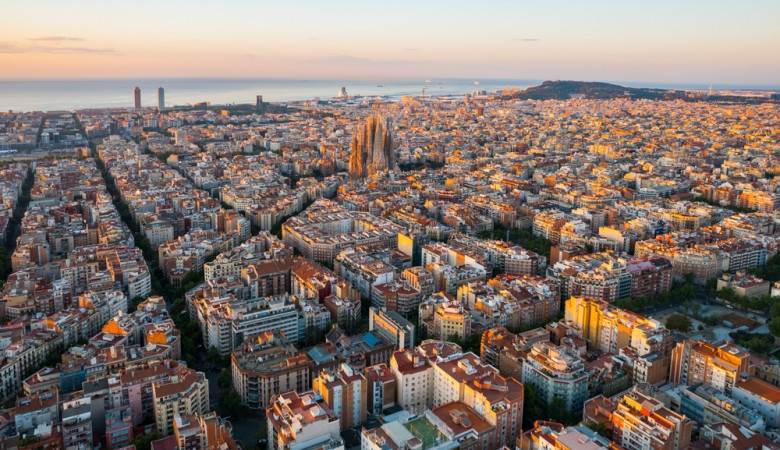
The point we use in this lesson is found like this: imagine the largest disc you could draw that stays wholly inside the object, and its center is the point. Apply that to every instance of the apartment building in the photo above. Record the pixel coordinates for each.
(719, 366)
(649, 276)
(346, 393)
(381, 389)
(554, 436)
(262, 247)
(609, 328)
(325, 229)
(362, 270)
(497, 400)
(226, 322)
(708, 406)
(743, 284)
(398, 296)
(413, 380)
(556, 372)
(392, 327)
(445, 318)
(186, 394)
(37, 409)
(265, 365)
(463, 425)
(640, 422)
(77, 423)
(299, 421)
(728, 436)
(206, 431)
(761, 396)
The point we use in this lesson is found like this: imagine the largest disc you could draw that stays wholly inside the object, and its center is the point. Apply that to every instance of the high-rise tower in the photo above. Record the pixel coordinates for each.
(137, 97)
(372, 148)
(160, 98)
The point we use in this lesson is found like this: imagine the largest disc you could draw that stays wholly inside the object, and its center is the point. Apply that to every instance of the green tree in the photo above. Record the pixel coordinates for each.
(679, 322)
(225, 379)
(695, 308)
(359, 326)
(601, 428)
(134, 303)
(774, 326)
(711, 320)
(533, 408)
(472, 343)
(213, 356)
(178, 307)
(757, 342)
(144, 442)
(557, 412)
(231, 402)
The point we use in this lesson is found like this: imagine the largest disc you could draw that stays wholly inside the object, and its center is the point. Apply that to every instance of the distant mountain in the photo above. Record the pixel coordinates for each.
(563, 90)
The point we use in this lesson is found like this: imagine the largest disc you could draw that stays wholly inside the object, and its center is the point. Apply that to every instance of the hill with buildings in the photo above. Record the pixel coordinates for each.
(562, 90)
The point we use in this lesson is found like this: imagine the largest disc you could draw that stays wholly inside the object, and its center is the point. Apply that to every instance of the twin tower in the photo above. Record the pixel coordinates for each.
(372, 148)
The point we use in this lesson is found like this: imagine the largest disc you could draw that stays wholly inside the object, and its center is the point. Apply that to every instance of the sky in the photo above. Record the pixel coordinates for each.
(688, 41)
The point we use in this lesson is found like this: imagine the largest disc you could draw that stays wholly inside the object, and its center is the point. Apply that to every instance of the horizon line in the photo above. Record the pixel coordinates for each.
(689, 84)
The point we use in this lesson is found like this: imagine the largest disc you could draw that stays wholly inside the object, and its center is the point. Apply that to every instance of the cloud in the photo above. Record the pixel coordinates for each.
(55, 38)
(343, 59)
(47, 47)
(526, 40)
(79, 50)
(357, 60)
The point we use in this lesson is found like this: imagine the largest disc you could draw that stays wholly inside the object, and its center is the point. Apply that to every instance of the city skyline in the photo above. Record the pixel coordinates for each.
(716, 42)
(441, 270)
(411, 226)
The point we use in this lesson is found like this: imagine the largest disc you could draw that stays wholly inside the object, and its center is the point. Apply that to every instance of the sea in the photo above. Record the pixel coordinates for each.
(52, 95)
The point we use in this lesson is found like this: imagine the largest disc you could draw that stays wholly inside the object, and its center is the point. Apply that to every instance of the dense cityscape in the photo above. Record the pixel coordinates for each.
(428, 273)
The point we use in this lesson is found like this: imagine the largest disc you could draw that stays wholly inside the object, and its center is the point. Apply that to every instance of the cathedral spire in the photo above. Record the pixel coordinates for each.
(372, 148)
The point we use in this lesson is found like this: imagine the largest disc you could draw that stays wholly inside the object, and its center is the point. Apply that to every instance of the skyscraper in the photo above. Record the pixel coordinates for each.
(137, 96)
(259, 101)
(160, 99)
(372, 148)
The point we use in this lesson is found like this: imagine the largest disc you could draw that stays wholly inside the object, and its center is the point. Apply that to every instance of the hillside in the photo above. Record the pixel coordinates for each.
(562, 90)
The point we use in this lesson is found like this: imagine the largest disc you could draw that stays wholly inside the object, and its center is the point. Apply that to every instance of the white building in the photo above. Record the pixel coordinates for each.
(760, 396)
(226, 322)
(302, 422)
(413, 379)
(556, 372)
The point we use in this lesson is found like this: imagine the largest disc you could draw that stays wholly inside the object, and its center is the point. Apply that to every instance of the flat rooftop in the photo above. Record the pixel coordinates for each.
(425, 431)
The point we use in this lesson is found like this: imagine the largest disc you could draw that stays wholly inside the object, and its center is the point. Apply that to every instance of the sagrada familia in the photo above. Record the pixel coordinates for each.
(372, 148)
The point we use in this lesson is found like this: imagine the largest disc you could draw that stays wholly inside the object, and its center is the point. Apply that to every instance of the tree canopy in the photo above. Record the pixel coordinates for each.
(679, 322)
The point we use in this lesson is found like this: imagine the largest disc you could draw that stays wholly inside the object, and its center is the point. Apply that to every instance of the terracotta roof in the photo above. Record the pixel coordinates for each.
(761, 388)
(187, 379)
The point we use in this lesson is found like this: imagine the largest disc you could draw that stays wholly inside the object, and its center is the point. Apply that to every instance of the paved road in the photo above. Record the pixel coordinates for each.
(247, 424)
